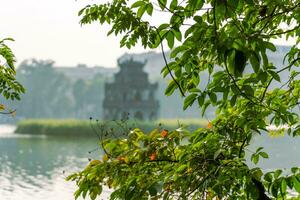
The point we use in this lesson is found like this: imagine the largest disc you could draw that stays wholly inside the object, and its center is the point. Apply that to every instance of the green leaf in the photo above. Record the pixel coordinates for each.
(189, 100)
(217, 153)
(294, 170)
(239, 63)
(201, 99)
(230, 58)
(264, 154)
(277, 173)
(255, 62)
(233, 100)
(178, 35)
(259, 149)
(137, 4)
(274, 190)
(196, 79)
(171, 88)
(181, 168)
(248, 90)
(204, 107)
(152, 190)
(270, 46)
(170, 39)
(296, 184)
(283, 187)
(255, 158)
(149, 9)
(213, 97)
(198, 19)
(262, 76)
(141, 10)
(258, 174)
(173, 5)
(265, 59)
(163, 26)
(274, 75)
(268, 177)
(178, 50)
(162, 4)
(81, 11)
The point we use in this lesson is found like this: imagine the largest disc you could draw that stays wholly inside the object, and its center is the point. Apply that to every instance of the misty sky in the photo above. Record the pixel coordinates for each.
(50, 29)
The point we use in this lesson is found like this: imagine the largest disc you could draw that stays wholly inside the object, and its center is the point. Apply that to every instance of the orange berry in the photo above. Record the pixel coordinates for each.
(121, 158)
(209, 125)
(153, 156)
(164, 133)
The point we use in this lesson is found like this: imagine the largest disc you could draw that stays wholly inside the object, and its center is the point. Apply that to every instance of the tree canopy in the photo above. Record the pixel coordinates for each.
(47, 90)
(9, 87)
(230, 40)
(52, 94)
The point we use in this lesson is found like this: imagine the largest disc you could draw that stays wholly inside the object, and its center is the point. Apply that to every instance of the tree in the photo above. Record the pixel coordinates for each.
(48, 91)
(9, 87)
(79, 92)
(87, 95)
(230, 41)
(95, 95)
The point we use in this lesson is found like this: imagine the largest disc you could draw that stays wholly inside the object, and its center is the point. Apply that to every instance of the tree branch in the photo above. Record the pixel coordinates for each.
(279, 71)
(167, 65)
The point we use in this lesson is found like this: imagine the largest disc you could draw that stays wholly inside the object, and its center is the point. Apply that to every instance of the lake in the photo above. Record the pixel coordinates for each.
(35, 167)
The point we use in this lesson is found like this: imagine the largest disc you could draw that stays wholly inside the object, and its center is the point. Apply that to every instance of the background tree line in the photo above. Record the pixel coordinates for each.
(53, 94)
(50, 94)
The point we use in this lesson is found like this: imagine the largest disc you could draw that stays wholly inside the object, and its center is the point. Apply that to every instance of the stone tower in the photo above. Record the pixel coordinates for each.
(130, 93)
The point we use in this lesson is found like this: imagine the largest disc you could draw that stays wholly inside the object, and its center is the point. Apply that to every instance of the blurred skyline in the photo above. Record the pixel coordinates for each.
(51, 30)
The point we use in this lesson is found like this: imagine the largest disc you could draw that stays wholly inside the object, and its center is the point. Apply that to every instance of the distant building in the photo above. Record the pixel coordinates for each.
(130, 93)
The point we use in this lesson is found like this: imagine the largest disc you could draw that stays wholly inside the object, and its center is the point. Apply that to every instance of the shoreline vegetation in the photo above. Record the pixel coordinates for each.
(92, 128)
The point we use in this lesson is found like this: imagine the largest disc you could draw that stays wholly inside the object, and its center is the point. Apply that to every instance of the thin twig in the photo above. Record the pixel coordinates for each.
(279, 71)
(242, 146)
(8, 113)
(167, 65)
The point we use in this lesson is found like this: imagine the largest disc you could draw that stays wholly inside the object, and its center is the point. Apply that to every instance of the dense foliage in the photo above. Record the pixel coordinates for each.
(229, 40)
(9, 87)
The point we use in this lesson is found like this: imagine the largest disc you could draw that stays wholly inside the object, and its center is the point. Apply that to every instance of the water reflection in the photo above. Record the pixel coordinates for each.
(282, 150)
(31, 167)
(35, 167)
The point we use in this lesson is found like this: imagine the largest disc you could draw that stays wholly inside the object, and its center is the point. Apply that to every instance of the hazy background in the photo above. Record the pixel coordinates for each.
(50, 29)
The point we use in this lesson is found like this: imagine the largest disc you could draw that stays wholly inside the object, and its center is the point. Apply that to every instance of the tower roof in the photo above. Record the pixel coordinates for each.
(131, 63)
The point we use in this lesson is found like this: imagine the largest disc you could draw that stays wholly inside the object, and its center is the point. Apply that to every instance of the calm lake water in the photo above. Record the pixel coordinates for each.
(34, 168)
